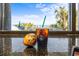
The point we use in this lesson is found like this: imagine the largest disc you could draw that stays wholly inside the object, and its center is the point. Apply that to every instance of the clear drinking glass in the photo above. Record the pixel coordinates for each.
(42, 37)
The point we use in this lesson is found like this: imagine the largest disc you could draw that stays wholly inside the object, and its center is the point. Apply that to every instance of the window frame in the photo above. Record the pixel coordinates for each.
(72, 25)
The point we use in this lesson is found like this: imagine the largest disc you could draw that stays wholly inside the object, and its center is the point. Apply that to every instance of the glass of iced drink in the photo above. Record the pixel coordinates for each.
(42, 37)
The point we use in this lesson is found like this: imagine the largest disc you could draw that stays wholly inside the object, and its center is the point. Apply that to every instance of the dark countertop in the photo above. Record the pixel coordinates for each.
(12, 45)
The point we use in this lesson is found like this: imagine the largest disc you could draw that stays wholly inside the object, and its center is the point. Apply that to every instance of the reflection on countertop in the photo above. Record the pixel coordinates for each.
(55, 46)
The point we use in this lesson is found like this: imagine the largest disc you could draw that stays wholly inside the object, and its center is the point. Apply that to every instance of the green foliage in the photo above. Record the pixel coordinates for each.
(62, 17)
(28, 25)
(53, 25)
(24, 25)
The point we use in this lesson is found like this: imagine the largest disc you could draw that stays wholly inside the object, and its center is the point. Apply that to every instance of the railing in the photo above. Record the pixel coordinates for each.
(51, 33)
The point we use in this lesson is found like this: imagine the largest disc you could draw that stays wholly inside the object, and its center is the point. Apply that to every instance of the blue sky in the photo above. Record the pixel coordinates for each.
(22, 8)
(34, 12)
(29, 8)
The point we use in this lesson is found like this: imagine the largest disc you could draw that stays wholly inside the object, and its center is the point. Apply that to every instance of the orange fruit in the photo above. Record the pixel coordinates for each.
(30, 39)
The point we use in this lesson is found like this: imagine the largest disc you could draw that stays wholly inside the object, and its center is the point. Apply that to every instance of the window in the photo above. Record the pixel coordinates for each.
(29, 16)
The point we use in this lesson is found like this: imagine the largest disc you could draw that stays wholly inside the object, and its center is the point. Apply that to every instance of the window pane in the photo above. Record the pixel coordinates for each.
(29, 16)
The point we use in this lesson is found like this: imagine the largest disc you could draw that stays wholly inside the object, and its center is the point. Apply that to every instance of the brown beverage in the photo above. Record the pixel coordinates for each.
(42, 37)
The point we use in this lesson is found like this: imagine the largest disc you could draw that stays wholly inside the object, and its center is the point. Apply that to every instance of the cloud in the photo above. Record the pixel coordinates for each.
(40, 5)
(46, 9)
(35, 19)
(49, 9)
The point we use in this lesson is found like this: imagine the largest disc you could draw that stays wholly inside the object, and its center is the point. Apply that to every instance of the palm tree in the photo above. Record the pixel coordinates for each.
(62, 16)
